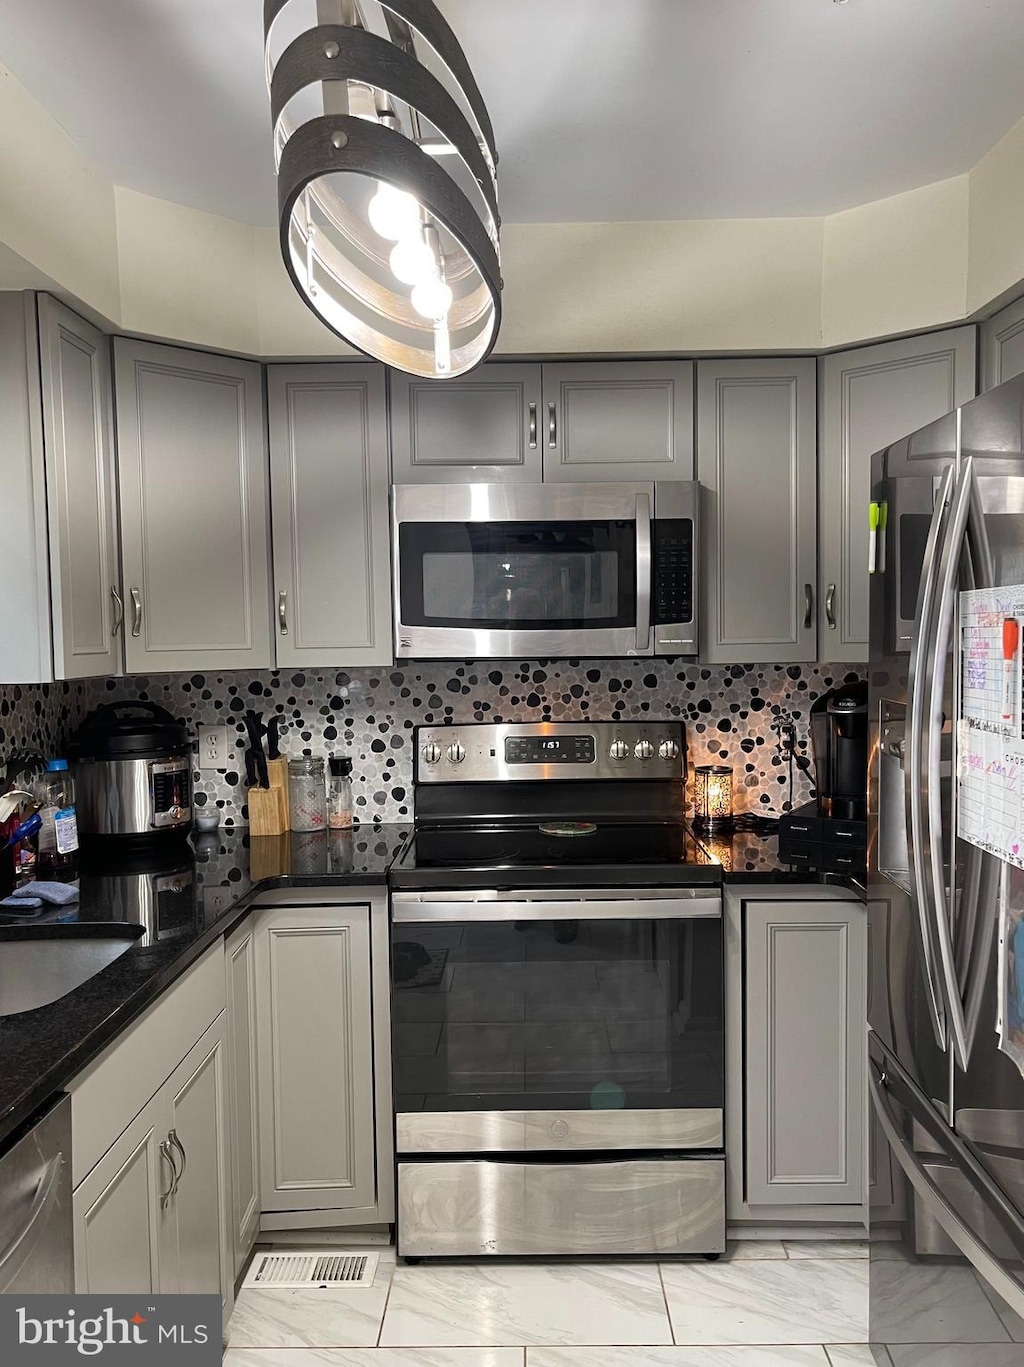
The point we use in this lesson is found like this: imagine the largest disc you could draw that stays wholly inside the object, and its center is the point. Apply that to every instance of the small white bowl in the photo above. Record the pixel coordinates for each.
(206, 821)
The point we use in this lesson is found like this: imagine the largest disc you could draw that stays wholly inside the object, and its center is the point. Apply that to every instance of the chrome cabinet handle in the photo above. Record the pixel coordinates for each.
(173, 1139)
(830, 607)
(16, 1253)
(808, 606)
(136, 612)
(118, 610)
(165, 1152)
(915, 761)
(533, 426)
(282, 612)
(552, 427)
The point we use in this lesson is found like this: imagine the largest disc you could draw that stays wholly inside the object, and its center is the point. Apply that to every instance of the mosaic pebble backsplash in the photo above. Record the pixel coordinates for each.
(370, 714)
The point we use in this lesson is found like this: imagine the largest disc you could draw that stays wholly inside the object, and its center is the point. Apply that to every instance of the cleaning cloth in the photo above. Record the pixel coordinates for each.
(23, 905)
(59, 894)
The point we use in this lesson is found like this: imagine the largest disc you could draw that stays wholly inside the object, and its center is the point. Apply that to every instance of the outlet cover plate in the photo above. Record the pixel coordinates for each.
(213, 747)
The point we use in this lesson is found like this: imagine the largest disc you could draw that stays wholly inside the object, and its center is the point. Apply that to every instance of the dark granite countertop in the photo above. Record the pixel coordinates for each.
(194, 894)
(753, 857)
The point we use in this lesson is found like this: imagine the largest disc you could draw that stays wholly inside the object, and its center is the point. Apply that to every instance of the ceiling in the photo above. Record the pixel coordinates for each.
(603, 111)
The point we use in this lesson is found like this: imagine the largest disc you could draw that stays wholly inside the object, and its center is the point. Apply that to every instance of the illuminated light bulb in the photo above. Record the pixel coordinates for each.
(393, 213)
(412, 261)
(432, 298)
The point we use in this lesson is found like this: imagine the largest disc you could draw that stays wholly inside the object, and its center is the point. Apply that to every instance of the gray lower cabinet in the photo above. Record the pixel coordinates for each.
(192, 462)
(615, 420)
(315, 1032)
(152, 1213)
(242, 1093)
(756, 461)
(329, 495)
(1002, 345)
(60, 616)
(483, 427)
(867, 399)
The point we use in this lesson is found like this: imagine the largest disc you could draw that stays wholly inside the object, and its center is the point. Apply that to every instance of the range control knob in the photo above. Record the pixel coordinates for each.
(456, 753)
(668, 749)
(643, 749)
(618, 749)
(431, 753)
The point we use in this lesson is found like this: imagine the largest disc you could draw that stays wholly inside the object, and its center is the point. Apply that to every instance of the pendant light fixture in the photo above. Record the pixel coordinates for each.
(387, 193)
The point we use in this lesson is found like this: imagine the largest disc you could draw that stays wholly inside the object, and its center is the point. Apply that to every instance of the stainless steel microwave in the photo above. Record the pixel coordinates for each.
(495, 571)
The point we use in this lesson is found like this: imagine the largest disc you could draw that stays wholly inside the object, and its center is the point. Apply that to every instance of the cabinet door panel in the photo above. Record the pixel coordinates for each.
(118, 1221)
(329, 482)
(756, 464)
(868, 399)
(198, 1211)
(315, 1059)
(1002, 355)
(193, 480)
(240, 964)
(629, 420)
(81, 493)
(805, 1011)
(484, 427)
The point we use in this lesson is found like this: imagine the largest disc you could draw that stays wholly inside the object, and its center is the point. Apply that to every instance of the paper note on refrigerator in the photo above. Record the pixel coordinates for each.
(990, 748)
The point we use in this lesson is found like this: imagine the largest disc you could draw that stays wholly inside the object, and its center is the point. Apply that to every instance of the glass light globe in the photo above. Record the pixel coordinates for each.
(432, 298)
(412, 261)
(393, 213)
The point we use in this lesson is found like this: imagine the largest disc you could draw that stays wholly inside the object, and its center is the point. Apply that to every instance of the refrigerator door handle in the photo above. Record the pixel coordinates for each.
(885, 1081)
(953, 548)
(920, 867)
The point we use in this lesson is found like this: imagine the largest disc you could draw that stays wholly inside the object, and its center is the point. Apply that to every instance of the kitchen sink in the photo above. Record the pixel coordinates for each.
(41, 964)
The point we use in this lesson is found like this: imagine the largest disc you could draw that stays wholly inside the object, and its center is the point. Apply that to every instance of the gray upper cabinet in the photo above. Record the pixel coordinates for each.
(606, 421)
(329, 491)
(78, 439)
(192, 461)
(1002, 345)
(756, 464)
(483, 427)
(869, 398)
(805, 999)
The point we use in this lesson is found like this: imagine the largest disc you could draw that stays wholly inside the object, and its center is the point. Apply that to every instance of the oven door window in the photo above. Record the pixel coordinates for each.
(558, 1015)
(518, 575)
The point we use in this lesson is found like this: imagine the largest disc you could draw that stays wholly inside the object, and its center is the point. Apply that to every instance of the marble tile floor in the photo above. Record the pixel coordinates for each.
(766, 1304)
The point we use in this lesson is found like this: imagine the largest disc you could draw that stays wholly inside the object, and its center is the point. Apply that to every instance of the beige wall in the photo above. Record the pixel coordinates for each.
(932, 256)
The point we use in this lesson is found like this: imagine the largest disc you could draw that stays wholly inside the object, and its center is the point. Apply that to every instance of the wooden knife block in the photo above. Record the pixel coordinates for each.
(277, 774)
(268, 813)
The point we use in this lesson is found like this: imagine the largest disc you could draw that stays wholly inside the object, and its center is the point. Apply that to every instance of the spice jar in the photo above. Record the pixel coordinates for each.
(307, 795)
(339, 793)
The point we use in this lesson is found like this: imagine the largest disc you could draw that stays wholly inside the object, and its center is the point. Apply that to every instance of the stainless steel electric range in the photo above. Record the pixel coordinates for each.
(557, 968)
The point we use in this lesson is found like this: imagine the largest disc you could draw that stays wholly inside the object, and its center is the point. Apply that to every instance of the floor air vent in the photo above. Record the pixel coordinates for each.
(320, 1268)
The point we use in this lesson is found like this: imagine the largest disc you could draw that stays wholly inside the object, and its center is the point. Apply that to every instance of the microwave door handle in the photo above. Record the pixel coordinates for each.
(915, 766)
(643, 573)
(945, 604)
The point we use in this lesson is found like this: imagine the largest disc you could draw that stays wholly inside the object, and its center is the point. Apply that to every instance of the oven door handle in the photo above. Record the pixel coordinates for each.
(643, 573)
(471, 908)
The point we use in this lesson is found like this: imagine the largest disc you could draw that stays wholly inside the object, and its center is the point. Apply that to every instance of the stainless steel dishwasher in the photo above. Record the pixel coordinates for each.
(37, 1250)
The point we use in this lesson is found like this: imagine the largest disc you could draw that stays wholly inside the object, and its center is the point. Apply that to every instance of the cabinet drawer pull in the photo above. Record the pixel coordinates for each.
(136, 612)
(808, 606)
(830, 607)
(533, 426)
(552, 427)
(118, 610)
(165, 1152)
(282, 612)
(173, 1139)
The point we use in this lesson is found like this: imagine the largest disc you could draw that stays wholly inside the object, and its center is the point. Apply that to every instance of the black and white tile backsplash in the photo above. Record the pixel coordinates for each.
(370, 714)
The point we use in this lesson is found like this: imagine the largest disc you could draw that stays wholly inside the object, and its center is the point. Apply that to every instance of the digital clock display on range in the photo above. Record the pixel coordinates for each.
(549, 750)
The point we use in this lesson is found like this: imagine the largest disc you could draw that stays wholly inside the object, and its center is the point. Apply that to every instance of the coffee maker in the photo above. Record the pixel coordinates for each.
(830, 833)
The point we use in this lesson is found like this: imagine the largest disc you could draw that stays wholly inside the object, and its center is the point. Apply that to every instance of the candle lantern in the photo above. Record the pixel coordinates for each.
(712, 797)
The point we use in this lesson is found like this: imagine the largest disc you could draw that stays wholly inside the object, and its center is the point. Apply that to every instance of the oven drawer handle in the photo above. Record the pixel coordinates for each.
(407, 911)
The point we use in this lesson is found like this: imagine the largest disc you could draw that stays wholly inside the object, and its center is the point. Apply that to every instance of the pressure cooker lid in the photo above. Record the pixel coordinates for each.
(129, 730)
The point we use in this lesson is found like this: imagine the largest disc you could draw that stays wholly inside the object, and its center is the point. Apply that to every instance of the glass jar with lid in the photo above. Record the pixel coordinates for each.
(307, 794)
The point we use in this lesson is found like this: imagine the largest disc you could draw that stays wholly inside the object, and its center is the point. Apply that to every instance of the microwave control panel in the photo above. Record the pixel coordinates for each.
(672, 551)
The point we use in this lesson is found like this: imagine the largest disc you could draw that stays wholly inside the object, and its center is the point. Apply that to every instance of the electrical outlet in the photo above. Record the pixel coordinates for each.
(213, 747)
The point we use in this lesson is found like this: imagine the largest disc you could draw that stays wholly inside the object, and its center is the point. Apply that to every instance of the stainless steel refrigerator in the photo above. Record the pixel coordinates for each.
(946, 1104)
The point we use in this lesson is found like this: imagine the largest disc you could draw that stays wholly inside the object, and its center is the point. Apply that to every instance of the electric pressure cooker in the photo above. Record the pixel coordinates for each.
(133, 773)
